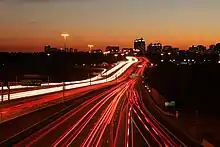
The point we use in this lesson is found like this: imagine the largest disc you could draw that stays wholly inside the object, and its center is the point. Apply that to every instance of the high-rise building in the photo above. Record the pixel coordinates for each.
(71, 50)
(112, 49)
(139, 44)
(75, 50)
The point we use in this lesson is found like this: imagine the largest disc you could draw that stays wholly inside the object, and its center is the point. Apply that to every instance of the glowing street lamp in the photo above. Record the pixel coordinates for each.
(90, 47)
(65, 38)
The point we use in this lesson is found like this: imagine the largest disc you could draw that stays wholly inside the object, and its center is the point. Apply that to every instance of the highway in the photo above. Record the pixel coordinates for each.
(116, 117)
(107, 75)
(27, 105)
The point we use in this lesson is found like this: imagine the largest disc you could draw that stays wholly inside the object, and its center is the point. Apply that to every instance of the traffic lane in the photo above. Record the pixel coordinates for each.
(30, 105)
(95, 135)
(57, 89)
(157, 132)
(142, 136)
(114, 134)
(26, 88)
(130, 70)
(149, 106)
(50, 137)
(37, 116)
(26, 108)
(69, 92)
(118, 123)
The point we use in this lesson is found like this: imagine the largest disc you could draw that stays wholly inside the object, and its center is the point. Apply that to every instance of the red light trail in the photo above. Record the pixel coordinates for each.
(106, 119)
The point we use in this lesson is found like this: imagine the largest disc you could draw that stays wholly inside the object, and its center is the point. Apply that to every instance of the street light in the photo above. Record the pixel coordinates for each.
(65, 37)
(90, 47)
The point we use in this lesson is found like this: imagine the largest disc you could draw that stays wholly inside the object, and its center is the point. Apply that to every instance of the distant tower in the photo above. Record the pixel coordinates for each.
(140, 44)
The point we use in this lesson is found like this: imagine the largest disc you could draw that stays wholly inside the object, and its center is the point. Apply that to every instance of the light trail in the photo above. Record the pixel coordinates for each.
(103, 121)
(89, 116)
(140, 132)
(154, 137)
(94, 116)
(119, 123)
(104, 72)
(156, 129)
(131, 60)
(54, 125)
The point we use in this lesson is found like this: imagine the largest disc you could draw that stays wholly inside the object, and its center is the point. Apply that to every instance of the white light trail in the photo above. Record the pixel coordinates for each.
(131, 60)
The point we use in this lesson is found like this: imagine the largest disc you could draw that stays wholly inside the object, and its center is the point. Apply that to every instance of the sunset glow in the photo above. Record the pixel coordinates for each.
(28, 26)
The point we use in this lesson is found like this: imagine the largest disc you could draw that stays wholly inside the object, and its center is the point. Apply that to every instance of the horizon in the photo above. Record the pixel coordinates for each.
(41, 49)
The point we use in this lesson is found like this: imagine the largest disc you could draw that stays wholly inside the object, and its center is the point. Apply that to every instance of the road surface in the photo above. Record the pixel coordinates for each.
(115, 117)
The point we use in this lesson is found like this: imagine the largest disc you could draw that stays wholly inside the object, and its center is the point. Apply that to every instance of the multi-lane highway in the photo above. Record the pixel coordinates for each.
(108, 75)
(115, 117)
(73, 89)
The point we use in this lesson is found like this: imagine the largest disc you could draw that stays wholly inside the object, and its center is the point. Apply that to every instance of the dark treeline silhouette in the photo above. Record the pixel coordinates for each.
(194, 87)
(59, 66)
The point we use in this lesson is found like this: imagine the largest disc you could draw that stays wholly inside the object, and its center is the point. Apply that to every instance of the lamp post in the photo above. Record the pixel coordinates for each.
(65, 38)
(90, 47)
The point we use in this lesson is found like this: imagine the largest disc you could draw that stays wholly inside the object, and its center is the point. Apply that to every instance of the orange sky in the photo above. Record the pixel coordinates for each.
(29, 26)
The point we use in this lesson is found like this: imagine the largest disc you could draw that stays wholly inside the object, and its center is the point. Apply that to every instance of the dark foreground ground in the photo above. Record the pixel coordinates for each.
(195, 90)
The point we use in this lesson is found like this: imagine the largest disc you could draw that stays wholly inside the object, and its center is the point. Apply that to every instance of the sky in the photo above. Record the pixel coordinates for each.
(27, 25)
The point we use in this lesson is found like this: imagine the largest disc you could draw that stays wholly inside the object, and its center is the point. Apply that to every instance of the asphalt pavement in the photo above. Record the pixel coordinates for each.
(120, 115)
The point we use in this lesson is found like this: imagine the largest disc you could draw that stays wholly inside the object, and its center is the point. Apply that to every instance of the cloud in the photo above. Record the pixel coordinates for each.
(32, 21)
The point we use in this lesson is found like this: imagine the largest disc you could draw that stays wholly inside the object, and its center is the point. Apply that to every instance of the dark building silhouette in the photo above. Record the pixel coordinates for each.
(49, 49)
(170, 49)
(167, 48)
(75, 50)
(112, 49)
(198, 49)
(96, 51)
(66, 50)
(154, 48)
(128, 51)
(139, 44)
(71, 50)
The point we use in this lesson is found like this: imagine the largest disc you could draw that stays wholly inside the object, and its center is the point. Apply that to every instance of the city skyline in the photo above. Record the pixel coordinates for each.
(28, 26)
